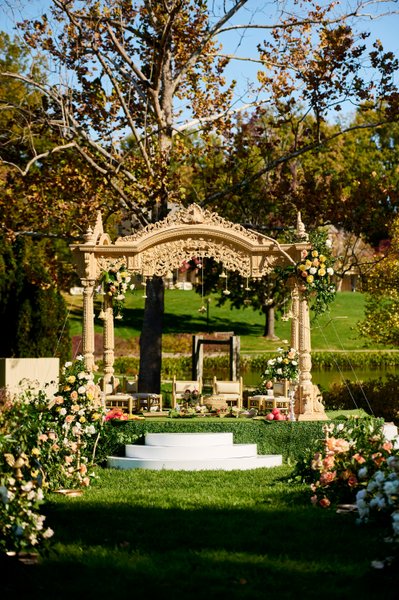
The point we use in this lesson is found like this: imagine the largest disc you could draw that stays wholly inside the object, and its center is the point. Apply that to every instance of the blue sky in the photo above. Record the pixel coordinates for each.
(386, 28)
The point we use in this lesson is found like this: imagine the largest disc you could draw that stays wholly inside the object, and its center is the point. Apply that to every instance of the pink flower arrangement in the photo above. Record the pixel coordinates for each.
(342, 463)
(117, 414)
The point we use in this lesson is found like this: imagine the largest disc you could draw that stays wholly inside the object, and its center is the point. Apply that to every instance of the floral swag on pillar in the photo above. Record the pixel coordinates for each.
(114, 283)
(315, 272)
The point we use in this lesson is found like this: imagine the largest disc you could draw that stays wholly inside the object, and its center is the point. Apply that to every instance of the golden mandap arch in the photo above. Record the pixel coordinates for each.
(162, 246)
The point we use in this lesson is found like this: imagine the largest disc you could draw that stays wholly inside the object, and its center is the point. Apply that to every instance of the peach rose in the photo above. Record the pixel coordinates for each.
(328, 477)
(359, 458)
(324, 503)
(329, 461)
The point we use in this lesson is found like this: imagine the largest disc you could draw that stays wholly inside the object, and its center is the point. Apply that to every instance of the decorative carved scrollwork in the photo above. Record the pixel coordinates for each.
(105, 263)
(195, 215)
(158, 260)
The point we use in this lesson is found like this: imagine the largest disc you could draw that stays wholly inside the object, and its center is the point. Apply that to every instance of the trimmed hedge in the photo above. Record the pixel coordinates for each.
(332, 360)
(289, 439)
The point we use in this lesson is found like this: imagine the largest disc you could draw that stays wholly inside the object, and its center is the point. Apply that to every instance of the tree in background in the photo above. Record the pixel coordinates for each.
(32, 310)
(139, 67)
(381, 322)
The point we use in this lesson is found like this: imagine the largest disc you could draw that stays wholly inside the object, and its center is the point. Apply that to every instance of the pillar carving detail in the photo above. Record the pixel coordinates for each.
(108, 342)
(88, 323)
(295, 317)
(308, 399)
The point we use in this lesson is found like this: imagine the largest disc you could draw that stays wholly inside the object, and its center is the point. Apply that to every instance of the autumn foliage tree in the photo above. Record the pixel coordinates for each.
(381, 322)
(155, 72)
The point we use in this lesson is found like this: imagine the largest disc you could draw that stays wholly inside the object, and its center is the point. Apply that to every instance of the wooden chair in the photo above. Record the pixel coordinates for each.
(117, 396)
(111, 386)
(129, 386)
(281, 398)
(229, 391)
(280, 388)
(142, 401)
(123, 401)
(181, 387)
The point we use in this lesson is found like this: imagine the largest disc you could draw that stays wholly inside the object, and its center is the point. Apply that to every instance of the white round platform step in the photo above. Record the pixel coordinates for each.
(188, 439)
(192, 452)
(220, 464)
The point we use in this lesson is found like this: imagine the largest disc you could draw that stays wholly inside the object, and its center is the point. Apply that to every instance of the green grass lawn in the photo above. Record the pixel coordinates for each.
(334, 331)
(202, 535)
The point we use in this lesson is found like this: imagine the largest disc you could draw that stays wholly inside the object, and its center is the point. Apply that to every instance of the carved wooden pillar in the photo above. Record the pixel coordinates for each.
(305, 361)
(309, 406)
(295, 317)
(88, 323)
(108, 341)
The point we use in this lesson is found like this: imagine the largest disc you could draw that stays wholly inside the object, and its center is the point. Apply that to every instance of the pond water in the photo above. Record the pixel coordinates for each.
(323, 378)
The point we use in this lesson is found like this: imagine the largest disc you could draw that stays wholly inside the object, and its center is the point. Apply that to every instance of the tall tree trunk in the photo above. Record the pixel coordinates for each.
(268, 331)
(151, 338)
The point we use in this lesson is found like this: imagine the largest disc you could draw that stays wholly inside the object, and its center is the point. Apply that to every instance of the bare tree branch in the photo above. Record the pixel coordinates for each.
(38, 157)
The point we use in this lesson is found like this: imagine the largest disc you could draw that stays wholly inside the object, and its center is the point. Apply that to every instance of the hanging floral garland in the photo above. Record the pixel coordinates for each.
(115, 283)
(314, 272)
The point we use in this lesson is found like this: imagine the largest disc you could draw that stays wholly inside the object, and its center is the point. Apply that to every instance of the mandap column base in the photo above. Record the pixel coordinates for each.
(309, 405)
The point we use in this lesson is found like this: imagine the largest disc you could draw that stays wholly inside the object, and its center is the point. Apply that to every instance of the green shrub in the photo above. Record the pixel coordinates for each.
(333, 360)
(32, 310)
(378, 397)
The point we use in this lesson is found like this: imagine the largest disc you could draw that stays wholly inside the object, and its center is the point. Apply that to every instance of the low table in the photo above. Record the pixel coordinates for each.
(123, 401)
(264, 402)
(135, 402)
(148, 402)
(220, 402)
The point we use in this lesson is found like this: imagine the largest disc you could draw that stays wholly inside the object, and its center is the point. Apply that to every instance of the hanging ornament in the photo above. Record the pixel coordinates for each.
(102, 314)
(247, 289)
(226, 291)
(145, 289)
(287, 314)
(284, 316)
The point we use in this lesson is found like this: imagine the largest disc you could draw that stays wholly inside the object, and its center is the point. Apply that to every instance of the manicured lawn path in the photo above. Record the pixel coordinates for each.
(205, 535)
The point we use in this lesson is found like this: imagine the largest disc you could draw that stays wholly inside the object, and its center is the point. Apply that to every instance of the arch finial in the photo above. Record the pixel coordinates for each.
(89, 238)
(300, 228)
